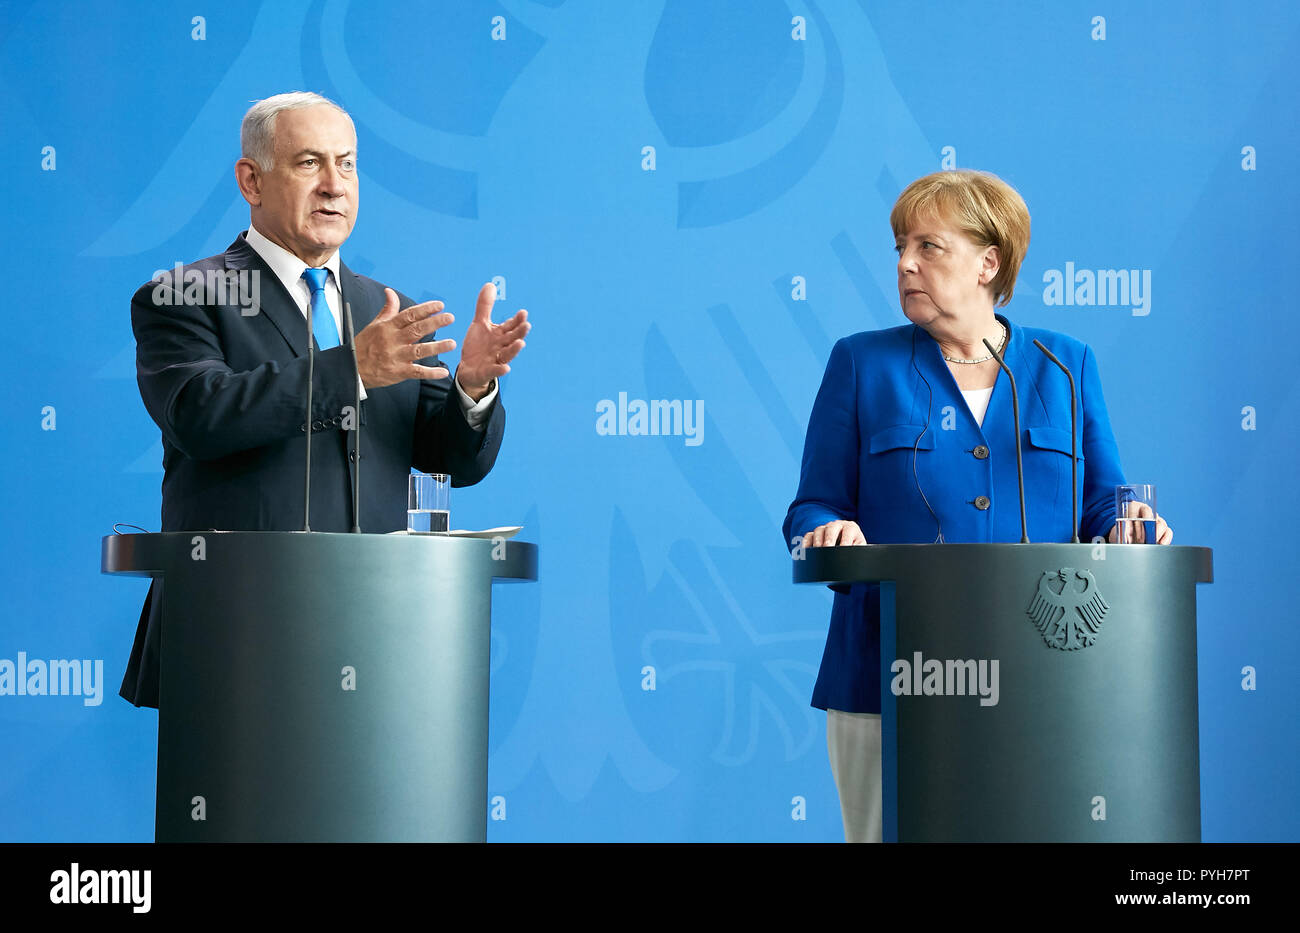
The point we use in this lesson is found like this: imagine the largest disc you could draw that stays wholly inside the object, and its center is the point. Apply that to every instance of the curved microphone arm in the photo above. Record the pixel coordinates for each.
(1020, 462)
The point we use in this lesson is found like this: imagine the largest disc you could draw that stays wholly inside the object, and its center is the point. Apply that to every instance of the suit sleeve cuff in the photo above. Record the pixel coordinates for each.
(476, 413)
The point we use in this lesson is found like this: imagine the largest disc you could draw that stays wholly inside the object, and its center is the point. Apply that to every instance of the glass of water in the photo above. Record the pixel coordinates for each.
(1135, 513)
(428, 507)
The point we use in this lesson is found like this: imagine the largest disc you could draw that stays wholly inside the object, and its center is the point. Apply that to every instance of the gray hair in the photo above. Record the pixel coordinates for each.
(257, 133)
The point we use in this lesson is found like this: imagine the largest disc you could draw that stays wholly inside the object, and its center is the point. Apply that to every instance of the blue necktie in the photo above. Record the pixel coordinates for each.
(322, 321)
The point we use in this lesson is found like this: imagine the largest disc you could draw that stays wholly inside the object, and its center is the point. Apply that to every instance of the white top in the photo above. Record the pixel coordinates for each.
(977, 400)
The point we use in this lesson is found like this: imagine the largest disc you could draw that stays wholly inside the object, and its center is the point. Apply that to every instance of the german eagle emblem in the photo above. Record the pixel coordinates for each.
(1067, 608)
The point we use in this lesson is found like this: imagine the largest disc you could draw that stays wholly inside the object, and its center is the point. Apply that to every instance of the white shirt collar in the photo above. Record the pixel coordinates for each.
(287, 267)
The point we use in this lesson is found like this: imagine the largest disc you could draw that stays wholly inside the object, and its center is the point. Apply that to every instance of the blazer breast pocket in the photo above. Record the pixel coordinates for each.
(887, 467)
(1043, 437)
(1047, 464)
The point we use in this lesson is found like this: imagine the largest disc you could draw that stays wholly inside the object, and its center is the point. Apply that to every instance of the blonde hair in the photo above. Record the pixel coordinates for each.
(979, 204)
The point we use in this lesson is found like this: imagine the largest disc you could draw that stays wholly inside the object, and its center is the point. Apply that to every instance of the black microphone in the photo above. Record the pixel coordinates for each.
(1020, 463)
(1074, 443)
(311, 365)
(356, 449)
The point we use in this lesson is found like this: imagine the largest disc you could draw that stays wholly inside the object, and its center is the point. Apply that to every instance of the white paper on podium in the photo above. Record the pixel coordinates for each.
(505, 531)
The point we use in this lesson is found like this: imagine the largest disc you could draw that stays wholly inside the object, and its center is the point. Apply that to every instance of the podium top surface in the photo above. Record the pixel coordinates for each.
(879, 562)
(150, 555)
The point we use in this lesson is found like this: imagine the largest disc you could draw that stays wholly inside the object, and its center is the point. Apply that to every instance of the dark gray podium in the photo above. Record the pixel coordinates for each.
(1094, 733)
(322, 687)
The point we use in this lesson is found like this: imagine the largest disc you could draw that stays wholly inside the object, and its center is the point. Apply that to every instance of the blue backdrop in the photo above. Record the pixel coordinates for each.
(691, 199)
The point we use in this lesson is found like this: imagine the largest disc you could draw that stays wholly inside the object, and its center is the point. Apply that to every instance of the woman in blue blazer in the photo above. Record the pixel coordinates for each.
(911, 440)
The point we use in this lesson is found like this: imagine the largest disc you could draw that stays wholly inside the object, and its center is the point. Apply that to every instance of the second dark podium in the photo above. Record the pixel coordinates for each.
(1088, 728)
(322, 687)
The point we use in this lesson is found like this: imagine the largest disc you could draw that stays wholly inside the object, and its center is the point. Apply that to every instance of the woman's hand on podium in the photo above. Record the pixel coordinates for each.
(841, 533)
(1143, 514)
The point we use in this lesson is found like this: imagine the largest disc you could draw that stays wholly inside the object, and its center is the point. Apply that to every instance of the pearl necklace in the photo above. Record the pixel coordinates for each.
(983, 359)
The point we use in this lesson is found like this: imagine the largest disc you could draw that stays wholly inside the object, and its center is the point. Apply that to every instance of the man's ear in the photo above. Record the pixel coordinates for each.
(249, 178)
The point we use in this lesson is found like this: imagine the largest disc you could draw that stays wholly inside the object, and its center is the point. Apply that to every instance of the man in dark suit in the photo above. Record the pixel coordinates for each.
(222, 363)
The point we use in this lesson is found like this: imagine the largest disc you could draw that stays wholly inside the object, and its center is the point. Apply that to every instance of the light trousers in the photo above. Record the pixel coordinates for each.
(853, 740)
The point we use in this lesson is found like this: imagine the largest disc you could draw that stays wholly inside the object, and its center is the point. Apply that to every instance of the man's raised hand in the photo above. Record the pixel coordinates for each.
(388, 347)
(489, 347)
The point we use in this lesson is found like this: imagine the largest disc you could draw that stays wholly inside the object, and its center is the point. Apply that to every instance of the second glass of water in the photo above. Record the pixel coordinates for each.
(1135, 513)
(428, 509)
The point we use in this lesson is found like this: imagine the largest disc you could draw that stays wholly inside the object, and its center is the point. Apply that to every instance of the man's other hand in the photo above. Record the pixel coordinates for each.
(489, 347)
(388, 347)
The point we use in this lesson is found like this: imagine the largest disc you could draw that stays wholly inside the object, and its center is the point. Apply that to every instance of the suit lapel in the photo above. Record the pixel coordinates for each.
(280, 308)
(1027, 362)
(363, 311)
(276, 304)
(999, 422)
(1019, 356)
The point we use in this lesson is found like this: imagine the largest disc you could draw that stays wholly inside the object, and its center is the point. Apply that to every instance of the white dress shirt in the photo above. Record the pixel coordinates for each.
(288, 268)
